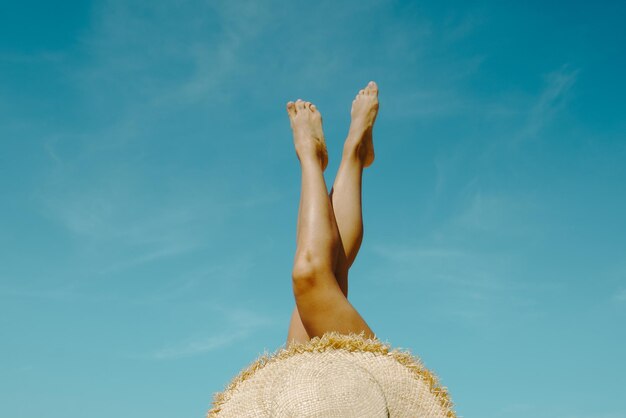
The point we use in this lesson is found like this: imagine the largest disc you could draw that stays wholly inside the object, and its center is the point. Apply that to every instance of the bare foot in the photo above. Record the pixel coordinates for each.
(308, 136)
(363, 112)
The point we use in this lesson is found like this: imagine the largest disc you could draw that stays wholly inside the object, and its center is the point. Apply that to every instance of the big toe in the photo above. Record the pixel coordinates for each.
(291, 109)
(372, 87)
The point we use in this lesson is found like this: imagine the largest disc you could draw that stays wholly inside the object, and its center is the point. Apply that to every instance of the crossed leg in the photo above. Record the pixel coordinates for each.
(330, 228)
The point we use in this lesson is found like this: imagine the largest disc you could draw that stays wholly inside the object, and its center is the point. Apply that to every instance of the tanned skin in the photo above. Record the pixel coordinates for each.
(330, 226)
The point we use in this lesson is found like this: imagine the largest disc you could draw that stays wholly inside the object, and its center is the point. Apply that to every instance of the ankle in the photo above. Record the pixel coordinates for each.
(308, 161)
(355, 133)
(352, 154)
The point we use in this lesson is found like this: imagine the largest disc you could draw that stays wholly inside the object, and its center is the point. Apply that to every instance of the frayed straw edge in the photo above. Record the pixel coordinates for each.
(336, 341)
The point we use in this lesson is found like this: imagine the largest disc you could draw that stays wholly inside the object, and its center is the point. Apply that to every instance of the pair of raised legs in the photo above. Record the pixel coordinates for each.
(330, 226)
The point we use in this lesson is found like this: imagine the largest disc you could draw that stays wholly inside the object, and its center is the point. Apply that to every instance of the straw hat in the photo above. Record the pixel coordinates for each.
(334, 376)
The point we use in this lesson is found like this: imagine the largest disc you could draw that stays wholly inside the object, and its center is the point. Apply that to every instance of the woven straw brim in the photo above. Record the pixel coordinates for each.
(408, 388)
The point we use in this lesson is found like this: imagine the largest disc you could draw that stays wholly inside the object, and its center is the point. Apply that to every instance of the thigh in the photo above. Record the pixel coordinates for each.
(324, 308)
(296, 333)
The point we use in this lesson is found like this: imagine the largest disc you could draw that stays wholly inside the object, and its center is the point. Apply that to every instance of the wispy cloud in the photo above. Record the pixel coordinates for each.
(460, 267)
(501, 214)
(452, 258)
(241, 324)
(620, 296)
(110, 210)
(151, 256)
(195, 347)
(61, 293)
(467, 162)
(461, 284)
(456, 28)
(139, 212)
(552, 99)
(470, 289)
(424, 102)
(100, 186)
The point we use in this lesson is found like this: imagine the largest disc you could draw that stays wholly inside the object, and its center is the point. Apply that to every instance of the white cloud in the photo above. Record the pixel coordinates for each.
(473, 271)
(620, 296)
(456, 28)
(552, 99)
(241, 323)
(459, 262)
(497, 214)
(195, 347)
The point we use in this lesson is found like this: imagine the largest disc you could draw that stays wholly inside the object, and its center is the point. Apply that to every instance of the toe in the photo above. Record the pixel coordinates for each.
(313, 107)
(291, 108)
(307, 105)
(299, 104)
(362, 91)
(372, 86)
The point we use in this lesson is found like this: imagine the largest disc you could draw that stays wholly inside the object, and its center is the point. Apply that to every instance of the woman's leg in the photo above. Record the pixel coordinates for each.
(321, 304)
(358, 152)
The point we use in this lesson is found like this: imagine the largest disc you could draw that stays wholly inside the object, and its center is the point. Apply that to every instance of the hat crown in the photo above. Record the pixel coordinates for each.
(334, 376)
(328, 387)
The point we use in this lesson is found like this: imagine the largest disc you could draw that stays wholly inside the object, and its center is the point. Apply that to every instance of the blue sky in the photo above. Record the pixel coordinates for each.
(149, 194)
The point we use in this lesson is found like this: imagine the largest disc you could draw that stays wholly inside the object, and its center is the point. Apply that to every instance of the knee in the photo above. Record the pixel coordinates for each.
(307, 274)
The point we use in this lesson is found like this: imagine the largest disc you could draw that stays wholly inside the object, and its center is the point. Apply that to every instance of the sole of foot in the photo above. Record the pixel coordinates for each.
(308, 135)
(363, 113)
